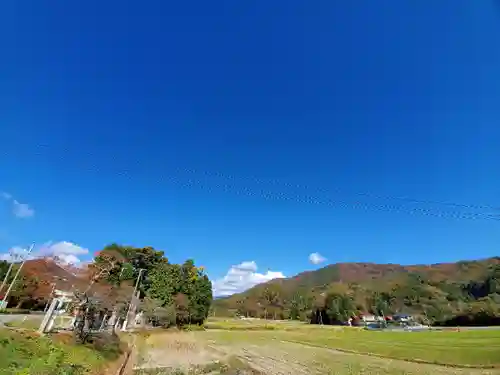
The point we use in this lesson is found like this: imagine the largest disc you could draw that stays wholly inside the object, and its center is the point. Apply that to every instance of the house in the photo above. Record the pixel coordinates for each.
(402, 318)
(371, 318)
(368, 320)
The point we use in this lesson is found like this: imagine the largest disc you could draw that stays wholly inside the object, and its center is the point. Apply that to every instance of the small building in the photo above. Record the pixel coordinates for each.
(371, 318)
(402, 318)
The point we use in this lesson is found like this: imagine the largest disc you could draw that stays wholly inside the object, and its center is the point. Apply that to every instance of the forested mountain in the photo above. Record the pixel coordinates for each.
(37, 278)
(437, 293)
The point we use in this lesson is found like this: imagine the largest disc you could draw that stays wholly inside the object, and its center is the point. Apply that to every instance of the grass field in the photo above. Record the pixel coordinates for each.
(261, 324)
(22, 351)
(271, 348)
(25, 353)
(466, 348)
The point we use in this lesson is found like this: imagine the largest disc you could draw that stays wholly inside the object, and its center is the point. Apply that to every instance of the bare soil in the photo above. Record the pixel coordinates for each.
(177, 350)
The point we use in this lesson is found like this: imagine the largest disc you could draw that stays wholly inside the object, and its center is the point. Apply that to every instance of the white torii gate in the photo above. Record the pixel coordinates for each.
(60, 299)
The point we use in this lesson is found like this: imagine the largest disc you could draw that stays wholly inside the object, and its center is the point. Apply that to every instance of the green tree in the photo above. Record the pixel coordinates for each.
(339, 307)
(24, 291)
(493, 280)
(158, 315)
(126, 263)
(300, 306)
(4, 267)
(165, 283)
(201, 299)
(380, 303)
(268, 299)
(183, 287)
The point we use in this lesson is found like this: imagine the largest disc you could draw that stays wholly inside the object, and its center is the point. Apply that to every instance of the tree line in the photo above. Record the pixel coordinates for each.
(169, 294)
(25, 292)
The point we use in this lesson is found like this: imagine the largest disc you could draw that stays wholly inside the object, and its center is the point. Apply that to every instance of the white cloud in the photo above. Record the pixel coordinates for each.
(316, 258)
(22, 210)
(16, 253)
(63, 252)
(5, 195)
(242, 277)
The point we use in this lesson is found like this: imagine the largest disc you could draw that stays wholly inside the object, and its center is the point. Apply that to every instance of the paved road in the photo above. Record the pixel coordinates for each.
(424, 329)
(6, 318)
(470, 328)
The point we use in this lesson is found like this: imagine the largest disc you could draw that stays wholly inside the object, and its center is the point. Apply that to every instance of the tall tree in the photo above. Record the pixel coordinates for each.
(184, 288)
(127, 262)
(339, 307)
(300, 306)
(269, 298)
(380, 303)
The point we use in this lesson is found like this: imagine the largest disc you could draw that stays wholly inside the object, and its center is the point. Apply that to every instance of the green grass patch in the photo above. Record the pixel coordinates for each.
(26, 353)
(261, 324)
(230, 327)
(466, 348)
(193, 327)
(480, 349)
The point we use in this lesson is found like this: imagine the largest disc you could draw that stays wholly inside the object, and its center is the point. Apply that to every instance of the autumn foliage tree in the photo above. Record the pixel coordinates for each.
(29, 290)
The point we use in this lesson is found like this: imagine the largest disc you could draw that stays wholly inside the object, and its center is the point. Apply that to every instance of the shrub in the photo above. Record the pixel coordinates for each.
(107, 344)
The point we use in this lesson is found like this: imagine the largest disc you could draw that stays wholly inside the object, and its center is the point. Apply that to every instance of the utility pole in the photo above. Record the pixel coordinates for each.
(6, 276)
(13, 256)
(4, 303)
(129, 311)
(51, 295)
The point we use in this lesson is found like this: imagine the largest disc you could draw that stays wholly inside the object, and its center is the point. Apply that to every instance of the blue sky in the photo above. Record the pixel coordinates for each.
(187, 126)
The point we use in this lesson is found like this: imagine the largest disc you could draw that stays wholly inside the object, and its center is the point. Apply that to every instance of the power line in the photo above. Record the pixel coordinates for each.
(358, 205)
(363, 194)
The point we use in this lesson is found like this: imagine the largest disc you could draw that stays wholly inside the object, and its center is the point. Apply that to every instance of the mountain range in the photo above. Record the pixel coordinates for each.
(438, 289)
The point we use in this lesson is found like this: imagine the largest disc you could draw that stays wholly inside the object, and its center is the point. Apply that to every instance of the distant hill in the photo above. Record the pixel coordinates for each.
(38, 277)
(436, 289)
(49, 270)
